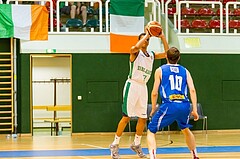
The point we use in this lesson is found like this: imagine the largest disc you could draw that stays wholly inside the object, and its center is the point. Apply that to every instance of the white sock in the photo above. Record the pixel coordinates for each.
(137, 139)
(152, 154)
(194, 153)
(116, 140)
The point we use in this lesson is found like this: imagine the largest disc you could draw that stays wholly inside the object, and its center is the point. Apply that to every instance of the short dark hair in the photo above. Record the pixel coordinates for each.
(140, 35)
(173, 55)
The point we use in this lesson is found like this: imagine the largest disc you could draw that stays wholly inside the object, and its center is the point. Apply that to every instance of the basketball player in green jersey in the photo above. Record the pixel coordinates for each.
(135, 93)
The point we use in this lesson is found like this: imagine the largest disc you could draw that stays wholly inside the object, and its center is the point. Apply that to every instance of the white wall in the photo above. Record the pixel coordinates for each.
(77, 43)
(44, 69)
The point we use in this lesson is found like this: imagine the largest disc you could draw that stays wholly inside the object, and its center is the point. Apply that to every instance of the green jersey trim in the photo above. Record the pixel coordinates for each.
(124, 106)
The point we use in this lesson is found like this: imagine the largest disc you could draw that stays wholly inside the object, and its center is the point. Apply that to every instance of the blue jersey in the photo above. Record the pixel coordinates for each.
(173, 86)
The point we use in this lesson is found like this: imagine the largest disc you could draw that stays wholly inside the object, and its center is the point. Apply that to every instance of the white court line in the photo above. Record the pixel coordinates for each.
(93, 146)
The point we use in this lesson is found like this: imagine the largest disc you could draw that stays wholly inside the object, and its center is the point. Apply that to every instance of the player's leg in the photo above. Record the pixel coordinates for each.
(151, 141)
(183, 123)
(136, 145)
(141, 111)
(140, 126)
(162, 118)
(114, 147)
(190, 140)
(122, 125)
(129, 101)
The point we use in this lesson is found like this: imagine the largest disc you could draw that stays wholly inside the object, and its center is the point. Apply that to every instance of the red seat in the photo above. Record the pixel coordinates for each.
(234, 24)
(205, 11)
(197, 23)
(171, 11)
(172, 2)
(236, 12)
(184, 24)
(224, 12)
(215, 24)
(188, 11)
(225, 1)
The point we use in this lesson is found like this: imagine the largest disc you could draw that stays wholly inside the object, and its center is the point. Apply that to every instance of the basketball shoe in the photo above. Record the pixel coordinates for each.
(138, 150)
(114, 151)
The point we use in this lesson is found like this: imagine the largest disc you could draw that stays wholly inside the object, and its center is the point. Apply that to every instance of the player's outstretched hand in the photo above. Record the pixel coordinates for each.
(161, 35)
(147, 32)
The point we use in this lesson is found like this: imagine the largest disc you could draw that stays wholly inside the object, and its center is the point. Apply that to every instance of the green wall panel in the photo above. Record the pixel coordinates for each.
(209, 71)
(102, 91)
(23, 93)
(89, 116)
(231, 90)
(5, 45)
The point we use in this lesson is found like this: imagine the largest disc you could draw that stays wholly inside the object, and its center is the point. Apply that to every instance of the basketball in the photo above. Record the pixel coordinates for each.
(154, 28)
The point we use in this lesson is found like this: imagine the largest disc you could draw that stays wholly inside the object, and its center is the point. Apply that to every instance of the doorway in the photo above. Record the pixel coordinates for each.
(51, 99)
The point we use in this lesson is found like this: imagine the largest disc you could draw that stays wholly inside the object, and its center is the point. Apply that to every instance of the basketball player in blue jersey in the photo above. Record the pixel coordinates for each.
(172, 81)
(135, 93)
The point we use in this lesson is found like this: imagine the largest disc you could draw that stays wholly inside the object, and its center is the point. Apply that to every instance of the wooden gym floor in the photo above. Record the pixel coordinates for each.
(214, 145)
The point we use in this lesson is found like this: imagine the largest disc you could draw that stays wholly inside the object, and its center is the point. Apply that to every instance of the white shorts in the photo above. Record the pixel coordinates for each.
(135, 99)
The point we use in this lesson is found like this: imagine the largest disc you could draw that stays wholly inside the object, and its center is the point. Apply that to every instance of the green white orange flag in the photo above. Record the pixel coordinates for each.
(126, 23)
(27, 22)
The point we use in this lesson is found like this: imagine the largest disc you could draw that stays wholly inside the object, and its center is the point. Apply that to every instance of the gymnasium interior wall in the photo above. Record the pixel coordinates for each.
(99, 79)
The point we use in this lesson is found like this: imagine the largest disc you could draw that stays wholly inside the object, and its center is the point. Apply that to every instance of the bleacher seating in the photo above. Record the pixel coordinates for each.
(205, 12)
(204, 17)
(92, 23)
(224, 12)
(235, 24)
(195, 14)
(188, 11)
(225, 1)
(199, 24)
(171, 11)
(236, 12)
(172, 1)
(215, 24)
(185, 24)
(74, 23)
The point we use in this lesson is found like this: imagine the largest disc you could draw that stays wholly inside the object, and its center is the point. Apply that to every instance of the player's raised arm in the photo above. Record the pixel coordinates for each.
(162, 55)
(143, 40)
(134, 49)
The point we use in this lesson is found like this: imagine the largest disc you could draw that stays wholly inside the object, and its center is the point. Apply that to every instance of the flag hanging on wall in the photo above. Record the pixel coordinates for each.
(126, 23)
(26, 22)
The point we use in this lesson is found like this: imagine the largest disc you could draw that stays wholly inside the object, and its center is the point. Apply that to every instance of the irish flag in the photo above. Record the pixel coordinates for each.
(27, 22)
(126, 23)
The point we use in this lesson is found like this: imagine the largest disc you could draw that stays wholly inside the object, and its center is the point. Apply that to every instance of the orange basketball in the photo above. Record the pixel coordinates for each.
(154, 28)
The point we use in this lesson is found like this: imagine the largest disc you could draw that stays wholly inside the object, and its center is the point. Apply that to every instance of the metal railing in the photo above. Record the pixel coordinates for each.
(155, 15)
(223, 16)
(187, 3)
(91, 4)
(177, 16)
(228, 4)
